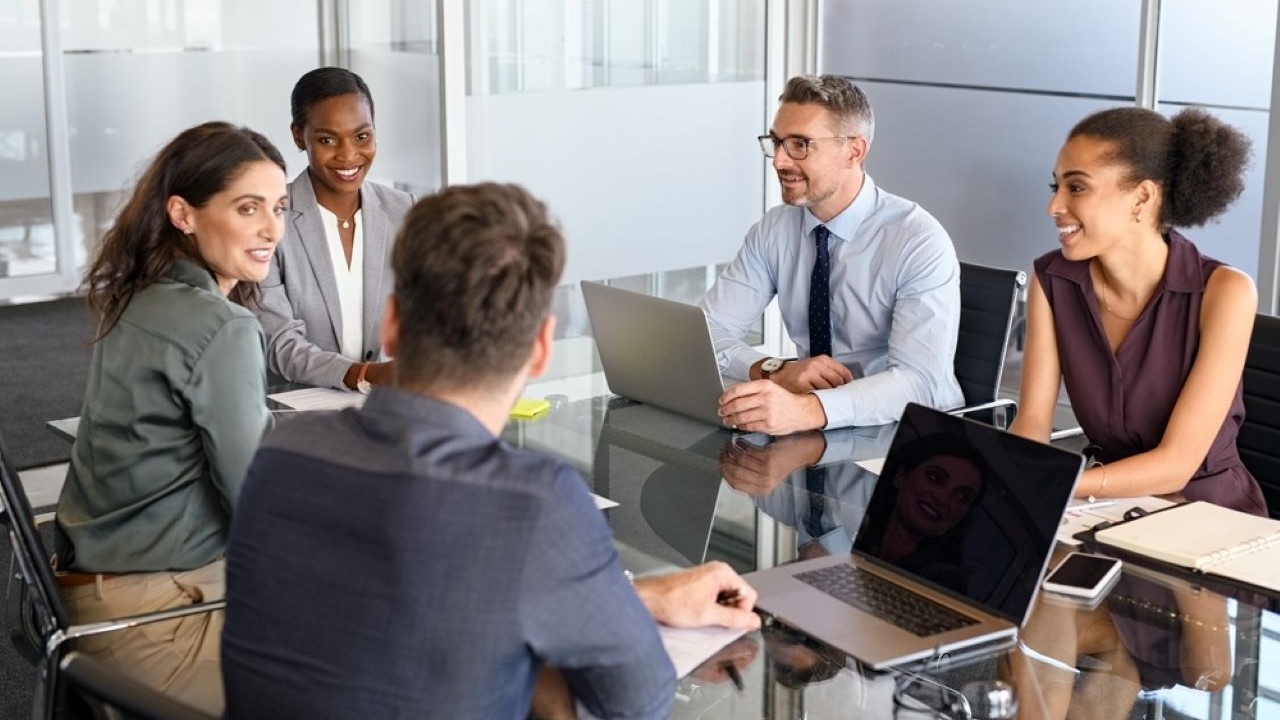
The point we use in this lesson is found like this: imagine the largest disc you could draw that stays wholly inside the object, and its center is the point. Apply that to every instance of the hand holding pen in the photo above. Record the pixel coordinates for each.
(709, 594)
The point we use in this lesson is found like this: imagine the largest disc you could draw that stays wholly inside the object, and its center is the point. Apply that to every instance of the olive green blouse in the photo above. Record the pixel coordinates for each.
(174, 410)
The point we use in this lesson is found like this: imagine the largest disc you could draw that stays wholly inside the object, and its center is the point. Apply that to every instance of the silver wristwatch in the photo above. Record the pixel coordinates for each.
(771, 366)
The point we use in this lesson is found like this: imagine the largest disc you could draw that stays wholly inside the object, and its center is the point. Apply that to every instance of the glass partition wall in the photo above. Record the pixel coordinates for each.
(29, 250)
(94, 87)
(635, 120)
(974, 99)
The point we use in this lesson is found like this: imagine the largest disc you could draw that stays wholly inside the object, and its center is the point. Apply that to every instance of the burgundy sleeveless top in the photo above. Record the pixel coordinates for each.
(1123, 400)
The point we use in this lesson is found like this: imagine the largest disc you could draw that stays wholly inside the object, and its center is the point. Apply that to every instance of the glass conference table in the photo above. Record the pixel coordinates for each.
(1159, 646)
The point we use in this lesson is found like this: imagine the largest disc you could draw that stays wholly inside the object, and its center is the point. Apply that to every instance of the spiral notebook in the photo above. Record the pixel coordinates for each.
(1206, 538)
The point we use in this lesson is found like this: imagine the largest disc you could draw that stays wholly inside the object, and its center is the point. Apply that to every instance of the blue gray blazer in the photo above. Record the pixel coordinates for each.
(299, 309)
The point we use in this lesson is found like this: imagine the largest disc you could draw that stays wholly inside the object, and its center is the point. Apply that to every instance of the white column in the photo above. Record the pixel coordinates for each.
(453, 90)
(58, 137)
(1148, 57)
(1268, 255)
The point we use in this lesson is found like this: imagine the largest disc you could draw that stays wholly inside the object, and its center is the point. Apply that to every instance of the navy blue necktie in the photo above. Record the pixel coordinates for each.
(820, 296)
(815, 482)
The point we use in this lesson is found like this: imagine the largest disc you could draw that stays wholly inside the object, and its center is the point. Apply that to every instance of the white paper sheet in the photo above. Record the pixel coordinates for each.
(871, 465)
(319, 399)
(1082, 515)
(603, 503)
(690, 647)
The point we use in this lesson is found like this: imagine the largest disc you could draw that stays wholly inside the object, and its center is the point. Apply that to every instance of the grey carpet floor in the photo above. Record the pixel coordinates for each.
(44, 366)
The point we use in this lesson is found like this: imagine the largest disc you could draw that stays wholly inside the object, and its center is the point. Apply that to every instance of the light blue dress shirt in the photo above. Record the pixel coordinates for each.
(895, 303)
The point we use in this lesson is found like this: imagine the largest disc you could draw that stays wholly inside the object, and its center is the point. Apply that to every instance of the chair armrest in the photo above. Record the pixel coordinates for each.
(1009, 406)
(1066, 434)
(103, 682)
(45, 518)
(76, 632)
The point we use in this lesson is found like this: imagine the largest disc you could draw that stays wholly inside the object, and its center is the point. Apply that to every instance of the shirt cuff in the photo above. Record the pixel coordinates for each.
(837, 403)
(740, 366)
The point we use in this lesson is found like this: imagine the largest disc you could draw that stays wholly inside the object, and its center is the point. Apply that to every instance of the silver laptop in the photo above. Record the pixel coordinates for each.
(951, 551)
(655, 351)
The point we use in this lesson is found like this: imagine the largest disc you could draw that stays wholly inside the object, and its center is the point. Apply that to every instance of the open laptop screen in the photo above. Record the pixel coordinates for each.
(968, 509)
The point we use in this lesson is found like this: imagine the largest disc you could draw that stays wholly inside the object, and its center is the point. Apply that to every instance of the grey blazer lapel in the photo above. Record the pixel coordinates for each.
(378, 236)
(309, 228)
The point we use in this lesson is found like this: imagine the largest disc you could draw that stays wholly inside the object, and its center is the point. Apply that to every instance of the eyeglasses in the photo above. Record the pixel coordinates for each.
(797, 147)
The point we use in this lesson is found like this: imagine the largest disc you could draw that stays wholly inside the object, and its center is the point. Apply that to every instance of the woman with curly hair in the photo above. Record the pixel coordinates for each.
(1148, 334)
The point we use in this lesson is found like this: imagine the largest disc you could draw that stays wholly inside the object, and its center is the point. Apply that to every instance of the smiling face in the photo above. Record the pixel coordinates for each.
(829, 177)
(1092, 206)
(937, 494)
(340, 143)
(236, 231)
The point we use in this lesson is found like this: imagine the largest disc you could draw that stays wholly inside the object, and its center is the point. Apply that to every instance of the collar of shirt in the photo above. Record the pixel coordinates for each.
(844, 225)
(418, 409)
(1182, 271)
(189, 273)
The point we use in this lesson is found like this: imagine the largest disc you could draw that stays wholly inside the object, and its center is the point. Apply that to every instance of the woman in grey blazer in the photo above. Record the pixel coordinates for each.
(323, 301)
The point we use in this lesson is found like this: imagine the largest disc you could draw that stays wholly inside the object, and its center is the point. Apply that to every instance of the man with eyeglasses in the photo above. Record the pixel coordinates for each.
(867, 282)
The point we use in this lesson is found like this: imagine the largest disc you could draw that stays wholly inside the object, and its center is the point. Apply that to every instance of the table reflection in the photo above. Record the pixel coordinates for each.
(690, 492)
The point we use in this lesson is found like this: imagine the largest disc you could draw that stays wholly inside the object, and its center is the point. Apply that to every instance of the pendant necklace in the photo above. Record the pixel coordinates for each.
(1106, 303)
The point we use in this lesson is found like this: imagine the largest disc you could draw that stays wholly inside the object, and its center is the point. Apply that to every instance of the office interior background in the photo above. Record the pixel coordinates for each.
(634, 119)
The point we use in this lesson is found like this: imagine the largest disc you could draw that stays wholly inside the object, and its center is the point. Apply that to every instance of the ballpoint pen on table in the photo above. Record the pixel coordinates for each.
(732, 671)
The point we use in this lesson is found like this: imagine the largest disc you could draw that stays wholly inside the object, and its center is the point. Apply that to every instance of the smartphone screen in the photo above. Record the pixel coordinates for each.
(1082, 571)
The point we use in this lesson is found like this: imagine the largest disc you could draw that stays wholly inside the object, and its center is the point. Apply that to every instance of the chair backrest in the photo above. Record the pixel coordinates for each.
(40, 591)
(988, 297)
(110, 693)
(1259, 440)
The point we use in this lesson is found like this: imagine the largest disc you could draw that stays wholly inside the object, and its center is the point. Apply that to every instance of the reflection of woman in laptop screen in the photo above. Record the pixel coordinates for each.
(919, 526)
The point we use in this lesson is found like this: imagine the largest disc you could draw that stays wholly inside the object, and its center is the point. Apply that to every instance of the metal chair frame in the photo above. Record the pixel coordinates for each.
(40, 626)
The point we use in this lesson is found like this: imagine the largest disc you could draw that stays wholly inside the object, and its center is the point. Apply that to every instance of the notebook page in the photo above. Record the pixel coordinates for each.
(1188, 534)
(1256, 568)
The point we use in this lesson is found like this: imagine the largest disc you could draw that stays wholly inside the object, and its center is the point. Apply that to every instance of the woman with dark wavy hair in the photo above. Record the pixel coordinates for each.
(1149, 335)
(175, 405)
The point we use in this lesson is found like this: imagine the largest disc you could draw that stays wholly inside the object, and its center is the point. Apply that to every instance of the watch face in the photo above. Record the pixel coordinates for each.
(771, 365)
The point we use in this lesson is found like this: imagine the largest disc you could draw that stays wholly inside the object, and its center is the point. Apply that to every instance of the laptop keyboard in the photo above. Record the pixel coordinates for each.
(889, 602)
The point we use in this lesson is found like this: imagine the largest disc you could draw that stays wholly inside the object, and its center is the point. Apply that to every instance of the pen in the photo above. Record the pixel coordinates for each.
(727, 597)
(1092, 505)
(732, 671)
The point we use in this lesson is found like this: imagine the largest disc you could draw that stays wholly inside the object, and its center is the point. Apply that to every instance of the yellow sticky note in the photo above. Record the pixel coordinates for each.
(530, 409)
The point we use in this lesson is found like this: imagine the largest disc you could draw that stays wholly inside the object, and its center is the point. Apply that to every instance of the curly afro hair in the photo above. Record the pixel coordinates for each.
(1196, 158)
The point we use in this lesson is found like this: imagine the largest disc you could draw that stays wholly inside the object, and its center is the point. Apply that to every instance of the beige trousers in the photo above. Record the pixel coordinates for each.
(178, 657)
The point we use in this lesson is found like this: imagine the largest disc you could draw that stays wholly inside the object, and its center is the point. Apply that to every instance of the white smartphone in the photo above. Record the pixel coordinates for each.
(1083, 575)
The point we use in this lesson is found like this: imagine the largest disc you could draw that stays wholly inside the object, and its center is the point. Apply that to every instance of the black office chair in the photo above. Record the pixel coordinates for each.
(1259, 440)
(40, 627)
(109, 694)
(988, 297)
